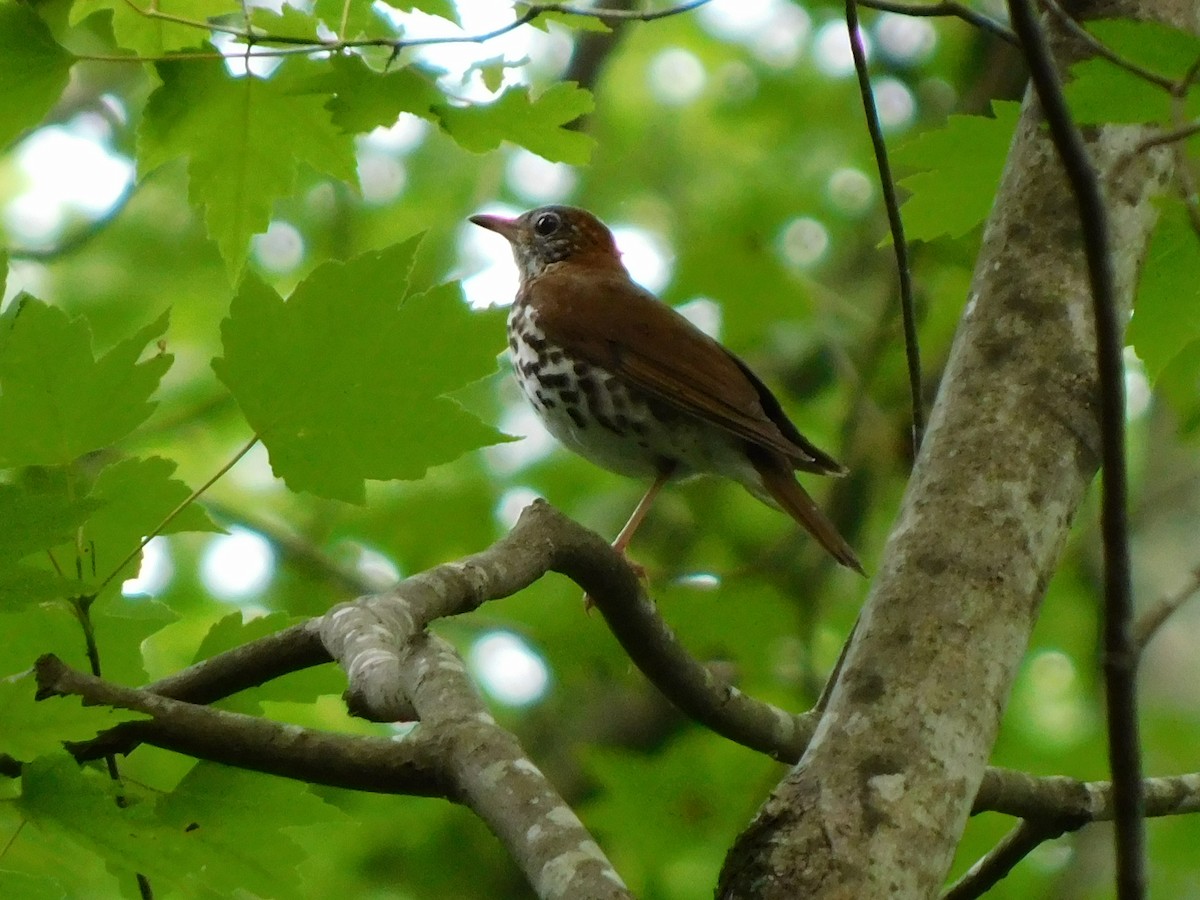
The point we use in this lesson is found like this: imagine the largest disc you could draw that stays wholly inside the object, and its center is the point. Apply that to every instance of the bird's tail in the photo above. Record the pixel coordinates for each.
(780, 484)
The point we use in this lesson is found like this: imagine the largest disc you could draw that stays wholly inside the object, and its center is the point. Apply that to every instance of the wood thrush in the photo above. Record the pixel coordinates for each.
(630, 384)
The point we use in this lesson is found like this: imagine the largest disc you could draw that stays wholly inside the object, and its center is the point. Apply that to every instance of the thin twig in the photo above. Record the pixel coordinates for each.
(1168, 137)
(1120, 658)
(948, 8)
(82, 609)
(993, 866)
(1102, 50)
(292, 44)
(912, 349)
(170, 517)
(1153, 618)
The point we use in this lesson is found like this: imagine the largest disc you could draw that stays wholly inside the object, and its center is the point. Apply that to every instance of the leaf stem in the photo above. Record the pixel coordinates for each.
(170, 517)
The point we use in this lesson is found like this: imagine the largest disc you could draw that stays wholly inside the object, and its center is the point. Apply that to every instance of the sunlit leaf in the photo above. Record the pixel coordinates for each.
(1166, 314)
(536, 124)
(243, 138)
(364, 99)
(139, 30)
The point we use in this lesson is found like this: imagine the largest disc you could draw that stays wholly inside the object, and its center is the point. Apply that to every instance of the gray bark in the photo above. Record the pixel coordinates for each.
(877, 804)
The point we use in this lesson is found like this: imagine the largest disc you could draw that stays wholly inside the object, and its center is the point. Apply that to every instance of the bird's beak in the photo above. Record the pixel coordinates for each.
(509, 228)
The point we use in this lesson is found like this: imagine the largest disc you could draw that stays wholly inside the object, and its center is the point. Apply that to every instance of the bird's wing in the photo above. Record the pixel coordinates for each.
(660, 352)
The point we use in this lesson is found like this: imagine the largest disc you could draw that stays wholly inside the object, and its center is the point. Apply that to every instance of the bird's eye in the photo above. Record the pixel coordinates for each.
(547, 224)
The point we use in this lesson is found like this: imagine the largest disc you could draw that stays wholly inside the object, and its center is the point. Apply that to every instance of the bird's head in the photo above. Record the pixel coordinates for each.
(554, 234)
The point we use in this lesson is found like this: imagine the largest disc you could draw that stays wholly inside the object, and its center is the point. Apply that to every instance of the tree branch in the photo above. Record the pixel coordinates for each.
(458, 751)
(1010, 450)
(912, 349)
(947, 8)
(991, 869)
(1120, 648)
(382, 765)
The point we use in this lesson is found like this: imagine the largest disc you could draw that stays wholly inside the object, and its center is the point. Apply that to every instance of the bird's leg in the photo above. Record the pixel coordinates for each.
(621, 543)
(639, 513)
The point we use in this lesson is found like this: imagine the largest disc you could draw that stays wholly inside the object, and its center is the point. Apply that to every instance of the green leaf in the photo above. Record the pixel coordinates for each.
(77, 804)
(1179, 383)
(1155, 46)
(1101, 91)
(287, 22)
(59, 402)
(33, 69)
(362, 20)
(1104, 92)
(148, 35)
(238, 818)
(234, 630)
(444, 9)
(364, 99)
(30, 728)
(534, 124)
(35, 630)
(137, 494)
(1166, 314)
(244, 138)
(346, 380)
(122, 625)
(34, 518)
(964, 160)
(30, 887)
(491, 71)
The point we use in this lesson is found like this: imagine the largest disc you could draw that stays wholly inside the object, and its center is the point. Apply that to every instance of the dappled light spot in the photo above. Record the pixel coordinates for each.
(738, 20)
(896, 104)
(237, 62)
(775, 31)
(699, 581)
(705, 313)
(803, 242)
(155, 572)
(65, 170)
(645, 255)
(537, 180)
(382, 176)
(850, 190)
(677, 76)
(491, 278)
(280, 248)
(237, 565)
(404, 136)
(1137, 386)
(1055, 707)
(522, 420)
(781, 44)
(512, 502)
(375, 567)
(831, 49)
(905, 39)
(508, 669)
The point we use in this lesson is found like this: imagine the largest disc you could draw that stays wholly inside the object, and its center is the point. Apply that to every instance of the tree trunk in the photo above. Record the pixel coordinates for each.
(878, 803)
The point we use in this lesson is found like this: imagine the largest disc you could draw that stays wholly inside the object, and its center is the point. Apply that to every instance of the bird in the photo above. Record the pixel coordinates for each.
(625, 381)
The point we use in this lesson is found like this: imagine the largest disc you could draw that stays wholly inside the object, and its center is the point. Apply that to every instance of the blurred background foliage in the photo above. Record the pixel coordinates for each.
(728, 150)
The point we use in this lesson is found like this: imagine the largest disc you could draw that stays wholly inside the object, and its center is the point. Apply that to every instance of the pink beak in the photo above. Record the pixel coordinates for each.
(509, 228)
